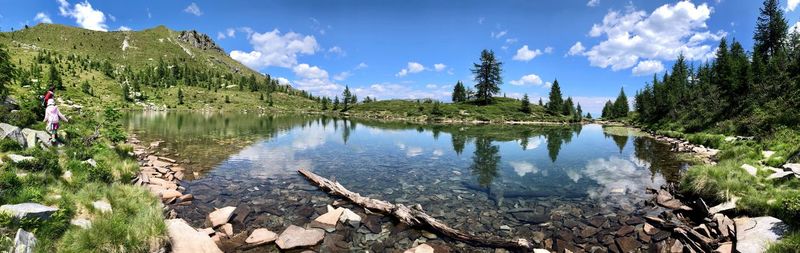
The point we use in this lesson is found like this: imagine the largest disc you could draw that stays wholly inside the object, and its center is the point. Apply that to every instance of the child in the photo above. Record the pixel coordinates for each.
(51, 116)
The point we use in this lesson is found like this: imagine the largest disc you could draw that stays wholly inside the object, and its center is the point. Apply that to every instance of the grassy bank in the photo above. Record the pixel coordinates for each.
(757, 195)
(135, 223)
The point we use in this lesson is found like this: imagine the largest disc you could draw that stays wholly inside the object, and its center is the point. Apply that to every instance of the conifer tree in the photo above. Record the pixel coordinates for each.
(6, 72)
(55, 78)
(556, 104)
(346, 98)
(487, 77)
(525, 105)
(459, 93)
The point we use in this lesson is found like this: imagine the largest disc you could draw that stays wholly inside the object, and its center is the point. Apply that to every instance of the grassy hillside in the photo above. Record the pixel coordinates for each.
(108, 61)
(503, 109)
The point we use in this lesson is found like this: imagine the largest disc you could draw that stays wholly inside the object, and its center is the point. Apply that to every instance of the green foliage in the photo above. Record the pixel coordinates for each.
(44, 161)
(488, 77)
(789, 243)
(112, 126)
(525, 104)
(459, 93)
(708, 140)
(6, 71)
(347, 97)
(180, 96)
(8, 144)
(86, 88)
(436, 109)
(555, 105)
(55, 79)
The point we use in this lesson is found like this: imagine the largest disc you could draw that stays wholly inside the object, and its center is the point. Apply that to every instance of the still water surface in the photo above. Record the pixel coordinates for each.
(535, 182)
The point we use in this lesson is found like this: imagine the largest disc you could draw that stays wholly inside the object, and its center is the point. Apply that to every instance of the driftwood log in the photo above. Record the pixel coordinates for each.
(414, 216)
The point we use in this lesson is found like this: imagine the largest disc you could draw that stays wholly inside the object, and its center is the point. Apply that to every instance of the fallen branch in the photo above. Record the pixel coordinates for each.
(89, 140)
(413, 216)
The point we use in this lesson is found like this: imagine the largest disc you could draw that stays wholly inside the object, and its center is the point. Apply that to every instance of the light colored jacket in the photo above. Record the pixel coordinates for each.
(52, 114)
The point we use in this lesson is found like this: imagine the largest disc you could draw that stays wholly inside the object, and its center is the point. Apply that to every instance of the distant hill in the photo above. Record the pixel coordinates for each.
(151, 66)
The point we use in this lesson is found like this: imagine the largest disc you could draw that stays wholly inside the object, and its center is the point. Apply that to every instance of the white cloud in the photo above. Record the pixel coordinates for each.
(123, 28)
(404, 91)
(439, 66)
(665, 33)
(193, 9)
(523, 167)
(548, 50)
(480, 20)
(792, 4)
(306, 71)
(342, 76)
(577, 49)
(361, 66)
(499, 34)
(525, 54)
(647, 67)
(41, 17)
(230, 32)
(84, 15)
(593, 3)
(530, 79)
(431, 86)
(274, 49)
(337, 51)
(283, 81)
(413, 67)
(113, 19)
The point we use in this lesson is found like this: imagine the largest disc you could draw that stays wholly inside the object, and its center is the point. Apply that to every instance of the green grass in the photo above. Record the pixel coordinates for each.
(503, 109)
(789, 244)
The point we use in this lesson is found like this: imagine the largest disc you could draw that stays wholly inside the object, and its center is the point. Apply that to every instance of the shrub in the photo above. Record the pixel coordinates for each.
(9, 145)
(44, 161)
(9, 185)
(708, 140)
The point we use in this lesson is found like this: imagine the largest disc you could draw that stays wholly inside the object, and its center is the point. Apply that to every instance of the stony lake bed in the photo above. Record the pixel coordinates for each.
(577, 187)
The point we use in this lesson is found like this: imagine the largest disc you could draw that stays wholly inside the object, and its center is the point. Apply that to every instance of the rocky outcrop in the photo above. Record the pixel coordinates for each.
(24, 242)
(13, 133)
(29, 210)
(756, 234)
(186, 239)
(199, 40)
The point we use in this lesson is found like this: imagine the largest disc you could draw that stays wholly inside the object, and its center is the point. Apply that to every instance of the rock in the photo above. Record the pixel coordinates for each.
(199, 40)
(755, 234)
(102, 206)
(628, 244)
(589, 231)
(531, 217)
(241, 213)
(207, 231)
(725, 247)
(731, 204)
(18, 158)
(328, 220)
(538, 237)
(625, 230)
(295, 236)
(24, 242)
(597, 221)
(29, 210)
(351, 218)
(13, 133)
(227, 229)
(540, 251)
(767, 154)
(675, 204)
(169, 194)
(428, 235)
(67, 176)
(91, 162)
(373, 223)
(185, 239)
(81, 222)
(422, 248)
(779, 175)
(221, 216)
(505, 227)
(261, 236)
(32, 137)
(677, 247)
(186, 197)
(794, 167)
(750, 169)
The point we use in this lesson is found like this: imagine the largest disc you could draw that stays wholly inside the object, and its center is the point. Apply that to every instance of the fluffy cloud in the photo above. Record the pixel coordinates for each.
(83, 13)
(404, 91)
(342, 76)
(647, 67)
(665, 33)
(123, 28)
(361, 66)
(412, 67)
(530, 79)
(792, 4)
(276, 49)
(41, 17)
(336, 50)
(576, 49)
(525, 54)
(193, 9)
(439, 66)
(499, 34)
(306, 71)
(593, 3)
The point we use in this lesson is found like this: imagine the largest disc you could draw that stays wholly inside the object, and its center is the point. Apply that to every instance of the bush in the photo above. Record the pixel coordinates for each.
(708, 140)
(9, 185)
(9, 145)
(45, 161)
(101, 173)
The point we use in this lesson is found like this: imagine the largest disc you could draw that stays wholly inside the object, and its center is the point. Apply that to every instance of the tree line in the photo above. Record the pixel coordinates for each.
(741, 92)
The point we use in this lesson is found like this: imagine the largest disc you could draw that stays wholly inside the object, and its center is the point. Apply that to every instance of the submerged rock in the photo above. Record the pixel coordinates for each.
(328, 220)
(422, 248)
(261, 236)
(295, 236)
(185, 239)
(29, 210)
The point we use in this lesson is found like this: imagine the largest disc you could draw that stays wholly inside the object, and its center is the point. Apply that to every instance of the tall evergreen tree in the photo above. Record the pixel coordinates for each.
(771, 29)
(620, 109)
(6, 72)
(556, 103)
(578, 113)
(346, 98)
(525, 104)
(459, 93)
(608, 109)
(55, 77)
(336, 103)
(487, 77)
(568, 108)
(180, 96)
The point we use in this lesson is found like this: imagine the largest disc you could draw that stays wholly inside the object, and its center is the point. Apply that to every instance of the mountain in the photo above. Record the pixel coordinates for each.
(157, 66)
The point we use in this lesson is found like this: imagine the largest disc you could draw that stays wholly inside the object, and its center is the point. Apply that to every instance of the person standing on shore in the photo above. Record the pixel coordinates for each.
(52, 116)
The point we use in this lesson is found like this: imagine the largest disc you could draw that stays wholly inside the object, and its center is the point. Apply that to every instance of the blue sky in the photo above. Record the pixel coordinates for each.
(417, 49)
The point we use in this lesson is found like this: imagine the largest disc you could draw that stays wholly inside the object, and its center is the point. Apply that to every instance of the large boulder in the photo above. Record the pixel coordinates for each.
(32, 137)
(221, 216)
(186, 239)
(295, 236)
(24, 242)
(756, 234)
(29, 210)
(13, 133)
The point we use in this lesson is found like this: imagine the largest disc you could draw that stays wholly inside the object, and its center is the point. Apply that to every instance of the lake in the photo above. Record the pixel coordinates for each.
(573, 186)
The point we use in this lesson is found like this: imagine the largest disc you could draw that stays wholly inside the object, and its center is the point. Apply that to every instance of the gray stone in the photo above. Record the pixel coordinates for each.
(221, 216)
(779, 175)
(24, 242)
(32, 137)
(750, 169)
(81, 222)
(756, 234)
(102, 206)
(794, 167)
(350, 218)
(731, 204)
(19, 158)
(91, 162)
(29, 210)
(295, 236)
(185, 239)
(13, 133)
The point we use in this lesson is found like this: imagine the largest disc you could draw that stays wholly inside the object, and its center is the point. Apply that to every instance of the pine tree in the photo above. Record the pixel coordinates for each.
(336, 103)
(525, 105)
(6, 72)
(771, 29)
(180, 96)
(86, 88)
(607, 110)
(556, 103)
(589, 115)
(540, 102)
(487, 77)
(568, 108)
(578, 113)
(620, 108)
(459, 93)
(346, 98)
(55, 78)
(125, 92)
